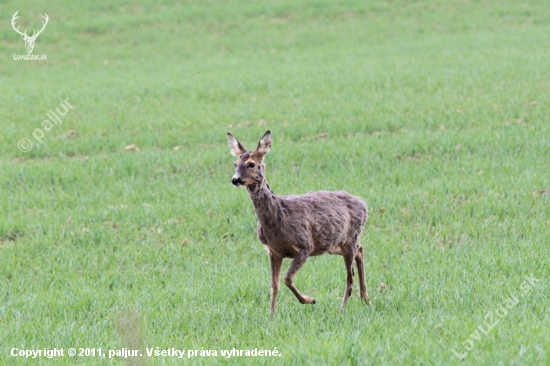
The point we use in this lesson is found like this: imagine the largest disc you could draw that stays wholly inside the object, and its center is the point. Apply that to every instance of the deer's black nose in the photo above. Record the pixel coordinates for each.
(237, 181)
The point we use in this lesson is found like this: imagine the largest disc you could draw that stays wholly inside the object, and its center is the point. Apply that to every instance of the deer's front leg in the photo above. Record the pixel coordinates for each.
(276, 264)
(298, 261)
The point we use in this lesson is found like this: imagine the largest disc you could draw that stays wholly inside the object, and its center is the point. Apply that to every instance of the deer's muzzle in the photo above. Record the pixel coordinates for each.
(237, 181)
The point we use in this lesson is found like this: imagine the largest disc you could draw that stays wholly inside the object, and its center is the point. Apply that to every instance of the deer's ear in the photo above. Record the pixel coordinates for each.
(265, 144)
(236, 147)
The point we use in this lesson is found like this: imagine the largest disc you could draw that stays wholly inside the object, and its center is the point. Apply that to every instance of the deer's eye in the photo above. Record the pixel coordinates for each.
(251, 165)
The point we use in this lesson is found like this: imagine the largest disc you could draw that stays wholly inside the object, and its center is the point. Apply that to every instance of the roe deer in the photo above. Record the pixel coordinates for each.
(301, 226)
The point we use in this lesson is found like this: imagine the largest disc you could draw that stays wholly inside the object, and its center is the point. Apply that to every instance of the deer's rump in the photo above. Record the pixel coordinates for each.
(318, 221)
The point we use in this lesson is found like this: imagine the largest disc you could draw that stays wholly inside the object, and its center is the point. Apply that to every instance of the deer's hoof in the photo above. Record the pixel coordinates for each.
(313, 301)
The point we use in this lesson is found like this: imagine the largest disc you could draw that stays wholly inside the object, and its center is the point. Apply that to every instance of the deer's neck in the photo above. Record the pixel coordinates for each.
(265, 203)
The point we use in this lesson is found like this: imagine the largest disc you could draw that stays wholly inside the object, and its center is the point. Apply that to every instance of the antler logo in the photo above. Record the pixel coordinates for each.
(29, 41)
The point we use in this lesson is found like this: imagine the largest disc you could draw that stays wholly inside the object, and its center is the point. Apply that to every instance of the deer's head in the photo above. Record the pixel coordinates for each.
(249, 167)
(29, 40)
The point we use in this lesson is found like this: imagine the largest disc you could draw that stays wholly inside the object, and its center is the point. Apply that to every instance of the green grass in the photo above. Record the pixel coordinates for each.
(434, 112)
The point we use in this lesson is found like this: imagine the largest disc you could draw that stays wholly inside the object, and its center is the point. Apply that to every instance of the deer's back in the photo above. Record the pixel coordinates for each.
(321, 219)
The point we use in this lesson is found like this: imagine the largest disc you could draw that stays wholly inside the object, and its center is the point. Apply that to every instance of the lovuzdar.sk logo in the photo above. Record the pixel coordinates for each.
(29, 40)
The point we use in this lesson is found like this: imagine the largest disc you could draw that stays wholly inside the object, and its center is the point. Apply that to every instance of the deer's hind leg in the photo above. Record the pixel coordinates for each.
(359, 260)
(348, 255)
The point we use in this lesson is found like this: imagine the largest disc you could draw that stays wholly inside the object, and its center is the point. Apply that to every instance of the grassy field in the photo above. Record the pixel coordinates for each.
(434, 112)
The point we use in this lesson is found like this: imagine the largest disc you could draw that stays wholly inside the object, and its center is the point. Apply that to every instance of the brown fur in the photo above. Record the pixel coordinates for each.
(301, 226)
